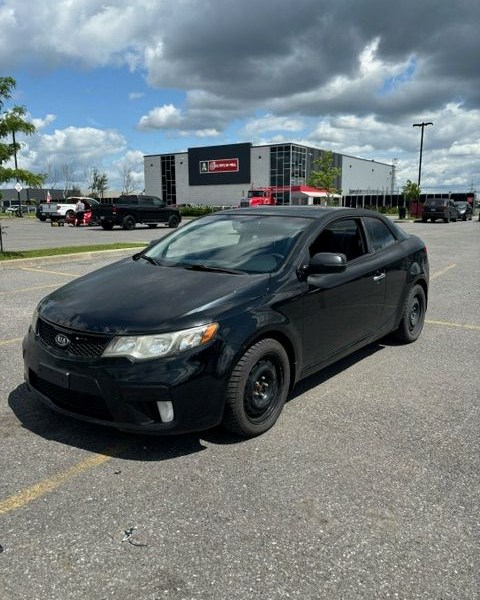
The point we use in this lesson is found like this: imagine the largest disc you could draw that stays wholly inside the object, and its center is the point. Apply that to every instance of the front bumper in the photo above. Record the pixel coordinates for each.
(123, 394)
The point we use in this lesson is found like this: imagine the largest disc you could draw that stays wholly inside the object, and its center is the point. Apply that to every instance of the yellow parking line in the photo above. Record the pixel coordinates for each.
(449, 324)
(30, 289)
(47, 271)
(12, 341)
(46, 486)
(442, 272)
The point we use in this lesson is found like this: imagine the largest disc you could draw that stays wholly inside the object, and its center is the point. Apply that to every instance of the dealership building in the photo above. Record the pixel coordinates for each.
(223, 175)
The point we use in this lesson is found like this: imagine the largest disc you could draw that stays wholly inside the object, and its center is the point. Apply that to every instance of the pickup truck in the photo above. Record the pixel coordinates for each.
(58, 211)
(128, 210)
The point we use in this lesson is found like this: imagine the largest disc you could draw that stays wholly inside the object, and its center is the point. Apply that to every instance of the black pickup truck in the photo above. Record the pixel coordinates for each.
(128, 210)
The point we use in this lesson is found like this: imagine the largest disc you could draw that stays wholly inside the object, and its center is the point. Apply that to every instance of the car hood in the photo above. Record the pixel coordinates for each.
(138, 297)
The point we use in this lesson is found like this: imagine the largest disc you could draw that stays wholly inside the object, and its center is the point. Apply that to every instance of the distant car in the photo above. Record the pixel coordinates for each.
(439, 208)
(464, 209)
(15, 210)
(217, 321)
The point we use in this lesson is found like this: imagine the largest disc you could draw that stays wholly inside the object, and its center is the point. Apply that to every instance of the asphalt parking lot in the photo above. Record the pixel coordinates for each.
(367, 487)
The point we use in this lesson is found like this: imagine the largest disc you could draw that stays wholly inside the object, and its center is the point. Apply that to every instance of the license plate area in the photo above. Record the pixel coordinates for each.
(55, 376)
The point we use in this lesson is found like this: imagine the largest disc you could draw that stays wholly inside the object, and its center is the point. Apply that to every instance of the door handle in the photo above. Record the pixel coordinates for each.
(379, 277)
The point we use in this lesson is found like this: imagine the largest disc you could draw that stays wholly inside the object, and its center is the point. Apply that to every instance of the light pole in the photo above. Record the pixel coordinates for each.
(422, 125)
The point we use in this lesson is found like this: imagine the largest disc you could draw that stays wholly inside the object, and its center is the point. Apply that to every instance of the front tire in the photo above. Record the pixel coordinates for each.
(413, 316)
(257, 389)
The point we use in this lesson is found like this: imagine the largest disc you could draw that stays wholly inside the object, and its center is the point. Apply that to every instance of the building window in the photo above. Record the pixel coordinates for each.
(169, 191)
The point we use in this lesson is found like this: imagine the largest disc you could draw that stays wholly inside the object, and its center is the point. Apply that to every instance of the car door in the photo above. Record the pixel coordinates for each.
(342, 309)
(161, 214)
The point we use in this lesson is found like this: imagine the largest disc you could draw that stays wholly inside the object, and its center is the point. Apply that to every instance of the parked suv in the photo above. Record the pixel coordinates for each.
(439, 208)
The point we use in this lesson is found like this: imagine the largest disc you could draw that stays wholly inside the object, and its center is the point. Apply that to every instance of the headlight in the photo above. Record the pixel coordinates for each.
(160, 345)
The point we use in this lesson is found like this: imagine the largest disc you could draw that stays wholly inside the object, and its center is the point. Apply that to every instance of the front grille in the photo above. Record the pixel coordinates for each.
(84, 345)
(75, 402)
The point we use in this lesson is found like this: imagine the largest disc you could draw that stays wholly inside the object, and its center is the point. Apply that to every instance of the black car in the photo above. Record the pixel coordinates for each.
(217, 321)
(465, 210)
(439, 208)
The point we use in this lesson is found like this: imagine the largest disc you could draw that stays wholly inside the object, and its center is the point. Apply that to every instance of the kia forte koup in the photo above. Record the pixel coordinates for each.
(216, 322)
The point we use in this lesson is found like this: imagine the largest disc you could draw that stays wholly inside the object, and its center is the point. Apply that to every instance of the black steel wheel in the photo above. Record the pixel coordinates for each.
(257, 389)
(129, 222)
(413, 316)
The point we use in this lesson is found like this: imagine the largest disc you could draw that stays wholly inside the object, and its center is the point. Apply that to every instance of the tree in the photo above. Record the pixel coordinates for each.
(98, 184)
(326, 176)
(128, 185)
(411, 191)
(11, 123)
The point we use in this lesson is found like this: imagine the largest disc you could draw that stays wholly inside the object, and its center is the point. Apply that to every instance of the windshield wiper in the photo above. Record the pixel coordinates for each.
(149, 259)
(200, 267)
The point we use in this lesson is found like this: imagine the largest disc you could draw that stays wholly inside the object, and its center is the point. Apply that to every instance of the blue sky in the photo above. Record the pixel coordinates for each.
(106, 83)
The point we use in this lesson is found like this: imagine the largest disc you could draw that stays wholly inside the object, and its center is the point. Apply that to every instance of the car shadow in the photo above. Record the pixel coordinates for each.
(334, 369)
(46, 423)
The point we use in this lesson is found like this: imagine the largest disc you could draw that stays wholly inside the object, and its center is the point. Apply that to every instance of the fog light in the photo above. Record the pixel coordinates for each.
(165, 408)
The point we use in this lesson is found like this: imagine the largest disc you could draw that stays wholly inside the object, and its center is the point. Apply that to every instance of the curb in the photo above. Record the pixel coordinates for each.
(16, 263)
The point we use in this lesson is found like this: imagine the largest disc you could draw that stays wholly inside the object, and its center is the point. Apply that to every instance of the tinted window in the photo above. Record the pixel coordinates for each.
(380, 235)
(343, 237)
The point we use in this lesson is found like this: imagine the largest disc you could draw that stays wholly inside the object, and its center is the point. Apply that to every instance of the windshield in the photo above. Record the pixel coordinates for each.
(241, 243)
(256, 193)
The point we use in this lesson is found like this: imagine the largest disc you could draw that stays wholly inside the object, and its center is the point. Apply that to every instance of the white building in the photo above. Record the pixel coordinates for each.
(223, 175)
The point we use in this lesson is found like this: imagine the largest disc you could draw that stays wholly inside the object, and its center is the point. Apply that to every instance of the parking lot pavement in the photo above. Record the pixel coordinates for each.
(367, 487)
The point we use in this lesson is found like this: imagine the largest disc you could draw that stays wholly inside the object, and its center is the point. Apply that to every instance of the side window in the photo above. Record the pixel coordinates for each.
(380, 235)
(343, 236)
(158, 203)
(147, 201)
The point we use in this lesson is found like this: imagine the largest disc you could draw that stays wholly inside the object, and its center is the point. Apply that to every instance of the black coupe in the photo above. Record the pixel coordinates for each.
(217, 321)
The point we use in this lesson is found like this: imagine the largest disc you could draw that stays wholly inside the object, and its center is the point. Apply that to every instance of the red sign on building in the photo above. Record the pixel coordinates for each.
(221, 165)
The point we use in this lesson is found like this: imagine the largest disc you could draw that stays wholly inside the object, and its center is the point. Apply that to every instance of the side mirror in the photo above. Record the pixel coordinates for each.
(326, 262)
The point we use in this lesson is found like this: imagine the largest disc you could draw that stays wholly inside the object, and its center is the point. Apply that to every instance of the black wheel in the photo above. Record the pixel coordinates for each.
(173, 221)
(107, 225)
(413, 316)
(424, 219)
(70, 214)
(152, 225)
(42, 218)
(257, 389)
(129, 222)
(433, 219)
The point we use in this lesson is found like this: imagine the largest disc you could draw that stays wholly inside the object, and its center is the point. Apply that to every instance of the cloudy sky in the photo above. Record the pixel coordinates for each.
(107, 82)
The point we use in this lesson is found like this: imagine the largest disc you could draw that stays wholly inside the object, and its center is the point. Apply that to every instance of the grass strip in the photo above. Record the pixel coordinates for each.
(67, 250)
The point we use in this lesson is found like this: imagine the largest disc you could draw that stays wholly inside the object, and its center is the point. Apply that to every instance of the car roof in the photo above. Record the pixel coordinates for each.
(312, 212)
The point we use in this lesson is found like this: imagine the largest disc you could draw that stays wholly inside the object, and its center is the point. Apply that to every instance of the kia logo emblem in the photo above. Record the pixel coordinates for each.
(61, 340)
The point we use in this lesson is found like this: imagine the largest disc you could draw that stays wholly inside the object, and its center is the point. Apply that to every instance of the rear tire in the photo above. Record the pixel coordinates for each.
(129, 222)
(413, 316)
(173, 221)
(257, 389)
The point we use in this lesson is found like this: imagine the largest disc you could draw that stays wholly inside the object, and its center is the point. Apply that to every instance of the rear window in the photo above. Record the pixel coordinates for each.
(435, 202)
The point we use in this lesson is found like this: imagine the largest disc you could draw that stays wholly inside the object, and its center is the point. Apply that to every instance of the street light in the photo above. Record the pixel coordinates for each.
(422, 125)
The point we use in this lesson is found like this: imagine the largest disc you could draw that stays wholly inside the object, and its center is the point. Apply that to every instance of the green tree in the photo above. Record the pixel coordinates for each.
(11, 123)
(326, 175)
(98, 184)
(411, 191)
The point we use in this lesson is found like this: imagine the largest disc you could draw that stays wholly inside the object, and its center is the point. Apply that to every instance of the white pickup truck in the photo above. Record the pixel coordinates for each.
(57, 211)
